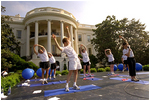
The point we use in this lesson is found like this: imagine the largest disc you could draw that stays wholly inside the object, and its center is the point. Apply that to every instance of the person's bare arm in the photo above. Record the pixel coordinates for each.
(50, 54)
(58, 46)
(123, 39)
(68, 33)
(35, 50)
(41, 47)
(84, 46)
(81, 48)
(105, 52)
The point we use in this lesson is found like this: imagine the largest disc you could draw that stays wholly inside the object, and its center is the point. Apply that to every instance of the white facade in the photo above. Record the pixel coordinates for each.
(39, 24)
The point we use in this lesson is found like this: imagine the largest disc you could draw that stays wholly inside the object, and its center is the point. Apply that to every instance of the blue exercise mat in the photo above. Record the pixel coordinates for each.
(49, 83)
(124, 75)
(143, 73)
(71, 90)
(129, 80)
(40, 79)
(88, 75)
(92, 78)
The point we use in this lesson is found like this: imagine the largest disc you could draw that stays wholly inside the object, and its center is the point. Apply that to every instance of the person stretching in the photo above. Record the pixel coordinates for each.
(74, 62)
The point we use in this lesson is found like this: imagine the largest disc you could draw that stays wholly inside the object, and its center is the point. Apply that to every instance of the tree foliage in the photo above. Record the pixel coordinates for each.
(107, 36)
(8, 40)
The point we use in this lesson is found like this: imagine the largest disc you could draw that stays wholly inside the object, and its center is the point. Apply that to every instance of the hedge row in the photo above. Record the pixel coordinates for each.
(10, 80)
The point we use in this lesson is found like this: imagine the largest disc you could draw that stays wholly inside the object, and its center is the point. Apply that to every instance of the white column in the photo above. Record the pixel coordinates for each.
(71, 32)
(49, 36)
(76, 42)
(28, 41)
(62, 35)
(62, 32)
(36, 38)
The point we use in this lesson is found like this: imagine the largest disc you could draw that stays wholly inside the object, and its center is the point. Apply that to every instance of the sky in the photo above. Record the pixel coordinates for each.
(88, 11)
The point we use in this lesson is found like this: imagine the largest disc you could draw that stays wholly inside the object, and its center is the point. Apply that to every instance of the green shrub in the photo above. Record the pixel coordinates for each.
(58, 72)
(101, 70)
(81, 71)
(19, 71)
(146, 67)
(11, 80)
(107, 68)
(93, 70)
(35, 75)
(64, 72)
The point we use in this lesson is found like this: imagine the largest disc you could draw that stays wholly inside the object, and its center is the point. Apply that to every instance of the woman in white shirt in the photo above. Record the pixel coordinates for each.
(53, 64)
(110, 60)
(86, 60)
(44, 64)
(131, 60)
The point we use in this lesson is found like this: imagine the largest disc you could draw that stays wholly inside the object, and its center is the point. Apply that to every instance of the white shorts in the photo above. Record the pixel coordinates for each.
(74, 64)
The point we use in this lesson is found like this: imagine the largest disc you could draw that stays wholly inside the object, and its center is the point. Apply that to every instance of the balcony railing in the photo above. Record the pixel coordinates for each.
(50, 9)
(41, 34)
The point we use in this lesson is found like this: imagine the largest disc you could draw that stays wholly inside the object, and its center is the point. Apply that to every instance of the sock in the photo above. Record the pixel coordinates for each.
(67, 85)
(74, 84)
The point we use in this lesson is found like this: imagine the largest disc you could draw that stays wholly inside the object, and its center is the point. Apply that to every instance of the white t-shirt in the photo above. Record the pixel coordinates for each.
(124, 57)
(85, 56)
(110, 58)
(43, 57)
(52, 60)
(69, 51)
(125, 51)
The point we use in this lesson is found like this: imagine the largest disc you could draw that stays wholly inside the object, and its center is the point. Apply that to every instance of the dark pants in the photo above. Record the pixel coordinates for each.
(131, 63)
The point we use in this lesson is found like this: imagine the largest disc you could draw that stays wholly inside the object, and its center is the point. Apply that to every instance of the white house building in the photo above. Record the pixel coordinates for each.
(38, 26)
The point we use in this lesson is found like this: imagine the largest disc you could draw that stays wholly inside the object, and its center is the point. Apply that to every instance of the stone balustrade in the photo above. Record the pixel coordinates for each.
(50, 9)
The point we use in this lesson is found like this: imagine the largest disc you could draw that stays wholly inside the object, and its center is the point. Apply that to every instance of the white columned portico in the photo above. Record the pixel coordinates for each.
(71, 32)
(28, 41)
(49, 36)
(36, 38)
(76, 42)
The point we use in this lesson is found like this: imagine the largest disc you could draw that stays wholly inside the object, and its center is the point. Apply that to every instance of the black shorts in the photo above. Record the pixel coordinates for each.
(125, 62)
(86, 63)
(44, 65)
(112, 62)
(53, 66)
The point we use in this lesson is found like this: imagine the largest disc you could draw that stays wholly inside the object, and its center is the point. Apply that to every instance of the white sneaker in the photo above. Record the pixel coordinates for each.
(54, 77)
(112, 73)
(76, 87)
(123, 70)
(67, 89)
(84, 76)
(50, 77)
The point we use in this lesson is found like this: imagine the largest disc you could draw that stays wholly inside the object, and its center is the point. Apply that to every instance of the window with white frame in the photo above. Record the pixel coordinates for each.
(19, 34)
(88, 38)
(79, 37)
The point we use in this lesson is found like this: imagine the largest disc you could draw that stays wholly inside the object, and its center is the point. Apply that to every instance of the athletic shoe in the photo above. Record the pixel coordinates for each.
(42, 82)
(112, 73)
(123, 70)
(84, 76)
(135, 79)
(45, 82)
(54, 77)
(50, 77)
(67, 89)
(76, 87)
(90, 75)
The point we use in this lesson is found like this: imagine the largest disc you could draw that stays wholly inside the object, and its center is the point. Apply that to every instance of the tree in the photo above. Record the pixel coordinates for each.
(107, 36)
(8, 40)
